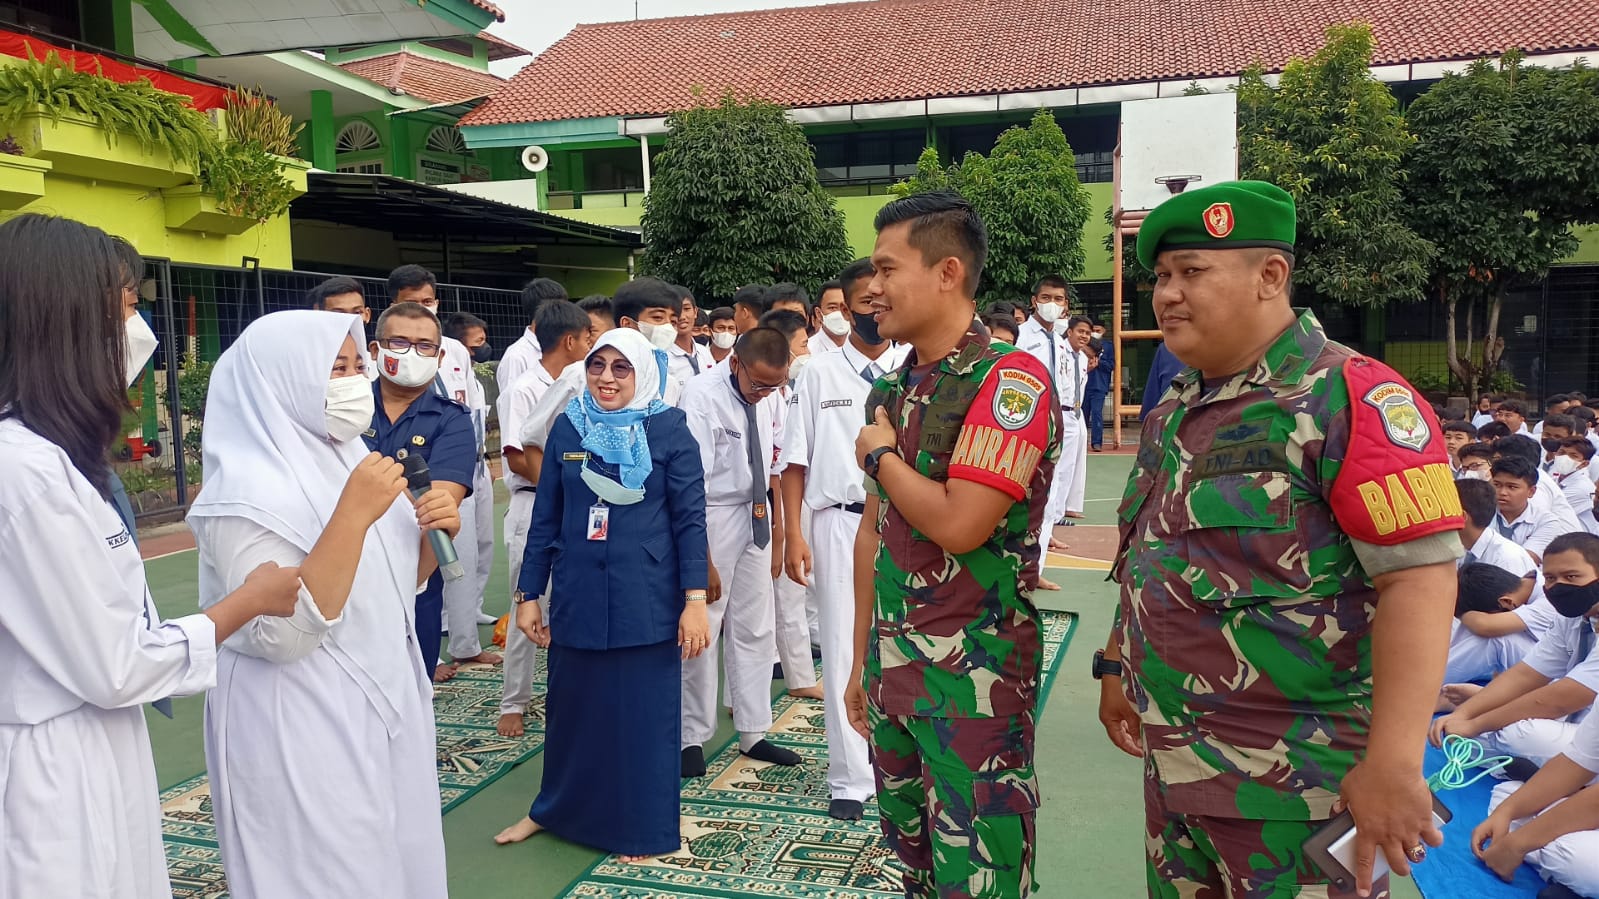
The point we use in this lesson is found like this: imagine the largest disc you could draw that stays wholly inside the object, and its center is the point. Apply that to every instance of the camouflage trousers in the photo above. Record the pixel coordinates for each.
(958, 799)
(1203, 857)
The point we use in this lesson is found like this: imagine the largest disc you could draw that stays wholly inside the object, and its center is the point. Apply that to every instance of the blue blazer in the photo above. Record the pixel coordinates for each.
(626, 590)
(1099, 377)
(1161, 372)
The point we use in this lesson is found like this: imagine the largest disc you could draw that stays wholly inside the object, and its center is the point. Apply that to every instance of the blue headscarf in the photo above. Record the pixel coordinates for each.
(619, 437)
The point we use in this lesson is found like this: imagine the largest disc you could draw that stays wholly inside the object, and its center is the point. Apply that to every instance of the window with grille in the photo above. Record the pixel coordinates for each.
(374, 167)
(448, 139)
(357, 137)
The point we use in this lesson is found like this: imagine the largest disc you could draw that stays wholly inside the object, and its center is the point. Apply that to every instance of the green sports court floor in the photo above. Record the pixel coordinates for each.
(1090, 828)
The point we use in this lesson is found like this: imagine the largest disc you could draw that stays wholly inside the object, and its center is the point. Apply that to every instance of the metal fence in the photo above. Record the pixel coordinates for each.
(199, 311)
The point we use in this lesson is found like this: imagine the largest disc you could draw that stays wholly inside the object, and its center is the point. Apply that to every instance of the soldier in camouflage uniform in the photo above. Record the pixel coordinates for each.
(1286, 489)
(959, 448)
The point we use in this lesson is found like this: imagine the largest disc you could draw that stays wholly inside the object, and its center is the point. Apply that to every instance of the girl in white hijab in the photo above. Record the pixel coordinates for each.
(319, 734)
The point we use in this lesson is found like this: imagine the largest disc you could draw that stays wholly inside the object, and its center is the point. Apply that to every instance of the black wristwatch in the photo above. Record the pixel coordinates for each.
(1104, 666)
(875, 458)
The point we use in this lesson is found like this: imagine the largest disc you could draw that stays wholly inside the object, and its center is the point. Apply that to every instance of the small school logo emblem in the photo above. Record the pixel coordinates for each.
(391, 366)
(1219, 220)
(1016, 400)
(1401, 419)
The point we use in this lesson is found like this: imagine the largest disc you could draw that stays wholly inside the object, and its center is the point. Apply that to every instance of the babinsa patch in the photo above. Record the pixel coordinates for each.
(1016, 400)
(1401, 420)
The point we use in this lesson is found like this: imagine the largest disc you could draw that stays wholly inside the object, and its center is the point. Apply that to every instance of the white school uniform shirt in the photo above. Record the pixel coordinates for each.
(573, 380)
(1494, 549)
(1555, 656)
(1584, 748)
(717, 420)
(514, 406)
(825, 416)
(461, 384)
(822, 342)
(1578, 490)
(1550, 497)
(1035, 339)
(1536, 527)
(518, 358)
(682, 365)
(1481, 418)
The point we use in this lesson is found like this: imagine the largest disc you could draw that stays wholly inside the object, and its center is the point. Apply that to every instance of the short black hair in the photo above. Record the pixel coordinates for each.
(405, 310)
(318, 296)
(701, 318)
(1582, 445)
(721, 314)
(1577, 541)
(1480, 585)
(1513, 406)
(835, 284)
(1493, 430)
(787, 292)
(1050, 280)
(999, 321)
(762, 346)
(408, 277)
(942, 224)
(1477, 499)
(1096, 346)
(1477, 451)
(633, 297)
(785, 320)
(1519, 446)
(598, 302)
(1076, 320)
(683, 293)
(1561, 420)
(1583, 412)
(554, 322)
(462, 322)
(1577, 396)
(1004, 307)
(751, 297)
(1461, 427)
(1518, 468)
(1557, 398)
(849, 280)
(538, 291)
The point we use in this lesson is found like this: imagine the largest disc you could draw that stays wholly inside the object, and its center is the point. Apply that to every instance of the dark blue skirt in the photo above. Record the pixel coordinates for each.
(612, 761)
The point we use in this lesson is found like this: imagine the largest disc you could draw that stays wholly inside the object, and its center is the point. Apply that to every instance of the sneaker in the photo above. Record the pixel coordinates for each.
(486, 618)
(845, 809)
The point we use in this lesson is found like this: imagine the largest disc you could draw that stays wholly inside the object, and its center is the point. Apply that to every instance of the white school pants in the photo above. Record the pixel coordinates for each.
(463, 599)
(742, 626)
(1535, 739)
(849, 765)
(520, 653)
(1572, 859)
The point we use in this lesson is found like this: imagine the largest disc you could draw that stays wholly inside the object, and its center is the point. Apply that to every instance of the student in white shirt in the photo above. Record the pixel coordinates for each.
(1457, 436)
(1484, 643)
(319, 733)
(566, 330)
(820, 474)
(1555, 405)
(463, 598)
(1039, 337)
(830, 320)
(1486, 406)
(731, 413)
(1526, 711)
(1515, 482)
(82, 647)
(1074, 435)
(1513, 415)
(522, 355)
(723, 333)
(685, 358)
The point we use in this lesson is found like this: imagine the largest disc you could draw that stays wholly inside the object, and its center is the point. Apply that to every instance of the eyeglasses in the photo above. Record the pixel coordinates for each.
(620, 369)
(400, 345)
(765, 389)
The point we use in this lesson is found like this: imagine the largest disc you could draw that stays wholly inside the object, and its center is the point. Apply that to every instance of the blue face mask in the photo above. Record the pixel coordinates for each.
(610, 491)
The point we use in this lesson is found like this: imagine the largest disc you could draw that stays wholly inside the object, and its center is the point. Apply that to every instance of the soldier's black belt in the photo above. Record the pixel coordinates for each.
(857, 508)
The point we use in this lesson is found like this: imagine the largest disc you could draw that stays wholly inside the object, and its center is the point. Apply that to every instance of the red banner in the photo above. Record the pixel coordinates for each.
(204, 97)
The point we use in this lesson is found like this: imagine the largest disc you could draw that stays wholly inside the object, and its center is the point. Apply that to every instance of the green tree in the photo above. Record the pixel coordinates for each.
(1332, 135)
(1506, 162)
(735, 201)
(1027, 192)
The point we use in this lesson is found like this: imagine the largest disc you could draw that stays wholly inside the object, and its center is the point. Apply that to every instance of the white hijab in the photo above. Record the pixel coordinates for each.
(268, 459)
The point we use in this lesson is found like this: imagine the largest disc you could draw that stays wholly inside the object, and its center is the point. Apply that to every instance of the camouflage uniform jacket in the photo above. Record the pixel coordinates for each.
(1257, 512)
(957, 635)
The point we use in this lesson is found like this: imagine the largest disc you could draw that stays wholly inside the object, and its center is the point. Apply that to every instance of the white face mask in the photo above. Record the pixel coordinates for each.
(797, 365)
(1049, 313)
(659, 336)
(407, 369)
(724, 340)
(1471, 475)
(138, 345)
(836, 323)
(1562, 466)
(349, 408)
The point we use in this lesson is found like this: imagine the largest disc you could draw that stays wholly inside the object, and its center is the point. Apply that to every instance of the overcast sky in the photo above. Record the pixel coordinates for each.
(536, 24)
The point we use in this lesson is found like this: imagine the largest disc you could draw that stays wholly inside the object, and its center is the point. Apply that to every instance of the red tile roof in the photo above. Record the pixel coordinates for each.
(912, 49)
(499, 14)
(430, 79)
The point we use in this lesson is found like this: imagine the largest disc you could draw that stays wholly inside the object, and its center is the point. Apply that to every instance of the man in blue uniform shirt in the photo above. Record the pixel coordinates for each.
(411, 415)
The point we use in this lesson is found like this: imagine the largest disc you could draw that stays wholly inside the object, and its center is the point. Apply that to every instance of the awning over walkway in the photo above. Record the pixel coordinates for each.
(413, 211)
(178, 29)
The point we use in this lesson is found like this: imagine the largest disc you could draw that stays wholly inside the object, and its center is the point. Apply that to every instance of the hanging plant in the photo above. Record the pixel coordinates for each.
(245, 180)
(252, 116)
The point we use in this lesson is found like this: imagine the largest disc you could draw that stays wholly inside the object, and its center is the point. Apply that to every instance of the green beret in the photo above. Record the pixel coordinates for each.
(1226, 216)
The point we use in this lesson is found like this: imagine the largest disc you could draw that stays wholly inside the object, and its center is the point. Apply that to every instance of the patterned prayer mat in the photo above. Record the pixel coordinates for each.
(751, 828)
(471, 756)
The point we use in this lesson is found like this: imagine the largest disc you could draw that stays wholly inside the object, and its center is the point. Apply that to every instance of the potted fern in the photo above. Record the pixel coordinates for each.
(246, 179)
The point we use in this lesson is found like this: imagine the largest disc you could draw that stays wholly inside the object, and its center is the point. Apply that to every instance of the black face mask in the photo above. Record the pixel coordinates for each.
(1550, 445)
(703, 339)
(866, 327)
(1571, 600)
(482, 353)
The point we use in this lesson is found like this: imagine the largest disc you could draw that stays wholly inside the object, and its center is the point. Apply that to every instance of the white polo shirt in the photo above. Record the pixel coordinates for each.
(514, 406)
(823, 342)
(1555, 656)
(461, 384)
(517, 359)
(682, 365)
(1536, 527)
(1493, 549)
(718, 422)
(1035, 339)
(825, 416)
(1584, 748)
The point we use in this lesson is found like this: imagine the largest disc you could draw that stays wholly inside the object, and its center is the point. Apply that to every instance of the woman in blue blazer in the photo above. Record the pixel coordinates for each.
(618, 533)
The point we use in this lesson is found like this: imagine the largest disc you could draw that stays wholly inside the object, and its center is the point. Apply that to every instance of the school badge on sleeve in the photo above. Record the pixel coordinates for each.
(1016, 400)
(1402, 421)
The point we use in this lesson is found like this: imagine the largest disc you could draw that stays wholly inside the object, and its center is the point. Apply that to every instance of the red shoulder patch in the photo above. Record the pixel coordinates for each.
(1395, 483)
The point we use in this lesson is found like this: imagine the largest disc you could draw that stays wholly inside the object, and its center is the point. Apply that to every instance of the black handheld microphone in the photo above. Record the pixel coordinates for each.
(419, 481)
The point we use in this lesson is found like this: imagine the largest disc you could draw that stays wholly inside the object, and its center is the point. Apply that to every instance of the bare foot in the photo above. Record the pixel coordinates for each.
(511, 725)
(1074, 515)
(1455, 695)
(443, 672)
(1047, 584)
(518, 832)
(1058, 546)
(634, 859)
(483, 658)
(807, 692)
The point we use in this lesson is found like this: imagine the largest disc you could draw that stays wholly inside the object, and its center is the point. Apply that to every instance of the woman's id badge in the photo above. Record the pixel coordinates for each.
(599, 521)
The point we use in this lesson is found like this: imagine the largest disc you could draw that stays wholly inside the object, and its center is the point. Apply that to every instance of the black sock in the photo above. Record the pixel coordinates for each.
(764, 751)
(694, 761)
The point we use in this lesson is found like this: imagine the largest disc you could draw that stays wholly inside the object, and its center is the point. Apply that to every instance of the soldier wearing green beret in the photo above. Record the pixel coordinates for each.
(1287, 574)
